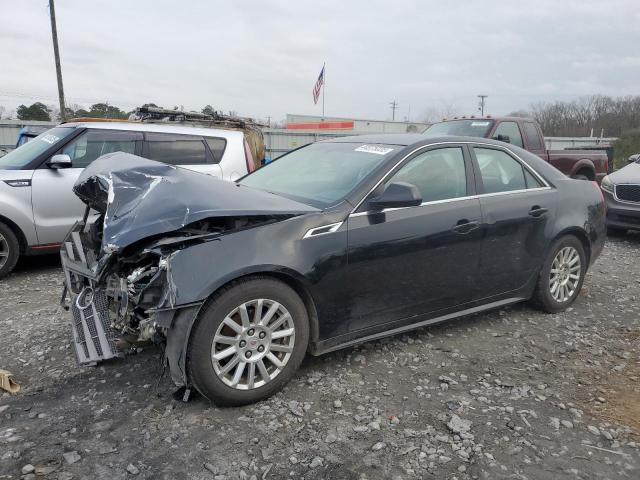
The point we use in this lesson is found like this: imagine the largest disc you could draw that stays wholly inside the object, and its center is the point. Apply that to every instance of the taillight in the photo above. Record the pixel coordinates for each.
(595, 184)
(248, 156)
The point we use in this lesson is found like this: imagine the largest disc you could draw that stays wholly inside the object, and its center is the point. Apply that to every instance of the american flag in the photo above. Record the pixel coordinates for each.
(318, 86)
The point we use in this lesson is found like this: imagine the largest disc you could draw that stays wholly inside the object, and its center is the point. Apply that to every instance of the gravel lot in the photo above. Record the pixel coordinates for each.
(510, 394)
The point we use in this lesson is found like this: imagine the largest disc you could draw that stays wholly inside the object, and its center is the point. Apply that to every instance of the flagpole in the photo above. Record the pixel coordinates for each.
(324, 86)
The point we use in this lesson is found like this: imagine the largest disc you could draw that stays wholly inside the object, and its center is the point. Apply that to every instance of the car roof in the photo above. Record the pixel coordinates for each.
(157, 128)
(488, 119)
(410, 139)
(403, 139)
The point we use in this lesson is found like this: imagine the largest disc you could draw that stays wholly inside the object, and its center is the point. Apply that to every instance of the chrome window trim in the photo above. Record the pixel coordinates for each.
(615, 193)
(448, 200)
(330, 228)
(423, 147)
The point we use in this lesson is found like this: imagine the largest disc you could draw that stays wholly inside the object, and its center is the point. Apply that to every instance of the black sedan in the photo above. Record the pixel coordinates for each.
(333, 244)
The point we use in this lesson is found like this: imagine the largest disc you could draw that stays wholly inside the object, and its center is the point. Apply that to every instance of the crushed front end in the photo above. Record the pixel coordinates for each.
(142, 226)
(113, 300)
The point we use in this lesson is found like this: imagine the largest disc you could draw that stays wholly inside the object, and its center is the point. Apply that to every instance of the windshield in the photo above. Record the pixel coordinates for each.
(465, 128)
(320, 174)
(23, 155)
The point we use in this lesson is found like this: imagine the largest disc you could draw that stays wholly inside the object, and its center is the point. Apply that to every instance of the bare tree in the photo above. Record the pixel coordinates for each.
(521, 113)
(597, 114)
(435, 113)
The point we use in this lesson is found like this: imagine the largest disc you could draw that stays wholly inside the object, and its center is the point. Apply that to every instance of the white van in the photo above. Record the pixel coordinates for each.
(37, 204)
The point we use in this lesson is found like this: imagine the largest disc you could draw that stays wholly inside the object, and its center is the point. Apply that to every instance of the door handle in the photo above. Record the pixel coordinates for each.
(464, 226)
(537, 211)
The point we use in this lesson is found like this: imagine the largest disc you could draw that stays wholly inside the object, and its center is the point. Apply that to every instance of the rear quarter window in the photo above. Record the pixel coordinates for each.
(176, 149)
(217, 147)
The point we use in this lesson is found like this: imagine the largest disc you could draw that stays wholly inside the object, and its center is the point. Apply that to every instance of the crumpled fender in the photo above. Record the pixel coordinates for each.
(180, 323)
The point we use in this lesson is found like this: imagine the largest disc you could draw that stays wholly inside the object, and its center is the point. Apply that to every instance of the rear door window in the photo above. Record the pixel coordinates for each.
(96, 142)
(176, 149)
(508, 129)
(533, 136)
(500, 172)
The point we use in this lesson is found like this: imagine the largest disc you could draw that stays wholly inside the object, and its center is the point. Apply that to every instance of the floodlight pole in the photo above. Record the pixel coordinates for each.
(481, 104)
(56, 54)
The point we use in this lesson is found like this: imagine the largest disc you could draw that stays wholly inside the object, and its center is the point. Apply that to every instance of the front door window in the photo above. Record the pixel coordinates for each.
(439, 174)
(95, 143)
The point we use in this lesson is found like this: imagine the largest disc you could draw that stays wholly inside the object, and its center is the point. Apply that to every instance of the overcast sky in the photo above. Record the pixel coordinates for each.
(262, 57)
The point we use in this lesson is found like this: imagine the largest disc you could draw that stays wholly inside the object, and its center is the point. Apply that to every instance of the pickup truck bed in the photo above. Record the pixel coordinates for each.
(593, 165)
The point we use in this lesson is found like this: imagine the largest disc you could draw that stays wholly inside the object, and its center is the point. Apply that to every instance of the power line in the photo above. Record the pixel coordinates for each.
(70, 100)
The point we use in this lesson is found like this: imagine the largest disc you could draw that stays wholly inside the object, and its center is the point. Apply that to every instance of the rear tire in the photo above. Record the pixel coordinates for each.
(9, 250)
(557, 286)
(259, 323)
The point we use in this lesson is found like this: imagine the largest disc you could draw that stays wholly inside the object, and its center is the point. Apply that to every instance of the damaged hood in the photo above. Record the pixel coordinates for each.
(141, 198)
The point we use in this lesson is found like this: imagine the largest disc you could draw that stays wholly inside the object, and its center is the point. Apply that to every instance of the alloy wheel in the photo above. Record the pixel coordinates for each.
(565, 274)
(4, 250)
(253, 344)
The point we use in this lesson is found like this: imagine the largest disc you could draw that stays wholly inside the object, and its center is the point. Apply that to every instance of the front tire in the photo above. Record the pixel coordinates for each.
(248, 341)
(9, 250)
(561, 276)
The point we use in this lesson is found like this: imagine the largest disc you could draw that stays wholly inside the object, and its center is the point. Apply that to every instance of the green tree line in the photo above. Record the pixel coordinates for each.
(40, 111)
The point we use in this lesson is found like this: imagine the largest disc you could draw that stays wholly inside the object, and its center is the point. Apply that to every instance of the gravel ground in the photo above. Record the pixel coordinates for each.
(513, 393)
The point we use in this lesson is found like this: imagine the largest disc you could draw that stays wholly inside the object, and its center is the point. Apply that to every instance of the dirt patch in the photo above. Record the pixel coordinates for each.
(612, 393)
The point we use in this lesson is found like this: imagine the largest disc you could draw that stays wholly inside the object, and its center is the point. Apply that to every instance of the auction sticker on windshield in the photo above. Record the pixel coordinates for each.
(49, 138)
(479, 124)
(377, 149)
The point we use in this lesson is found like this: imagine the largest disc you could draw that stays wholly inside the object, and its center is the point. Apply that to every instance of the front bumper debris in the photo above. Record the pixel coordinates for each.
(93, 338)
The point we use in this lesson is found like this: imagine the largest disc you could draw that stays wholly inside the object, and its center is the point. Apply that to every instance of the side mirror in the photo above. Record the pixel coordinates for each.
(61, 160)
(634, 158)
(397, 195)
(502, 138)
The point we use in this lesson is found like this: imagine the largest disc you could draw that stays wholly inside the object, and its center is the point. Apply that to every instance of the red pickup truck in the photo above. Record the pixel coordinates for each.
(526, 133)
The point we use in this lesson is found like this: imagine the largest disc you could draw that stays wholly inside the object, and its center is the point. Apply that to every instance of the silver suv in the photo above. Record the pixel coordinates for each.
(37, 204)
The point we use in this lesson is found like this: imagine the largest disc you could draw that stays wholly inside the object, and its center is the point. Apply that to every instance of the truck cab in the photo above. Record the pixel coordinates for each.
(526, 133)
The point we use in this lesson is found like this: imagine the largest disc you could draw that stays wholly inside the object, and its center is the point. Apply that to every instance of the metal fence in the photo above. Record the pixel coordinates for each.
(9, 130)
(562, 143)
(278, 141)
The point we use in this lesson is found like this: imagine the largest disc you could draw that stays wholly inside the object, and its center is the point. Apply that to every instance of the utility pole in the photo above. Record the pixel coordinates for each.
(481, 104)
(56, 54)
(394, 107)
